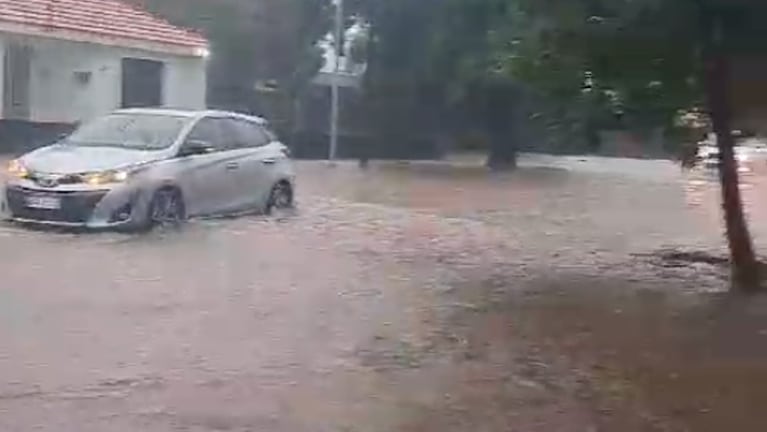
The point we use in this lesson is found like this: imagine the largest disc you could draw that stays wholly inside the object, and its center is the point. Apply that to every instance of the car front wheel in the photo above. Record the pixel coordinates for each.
(166, 209)
(280, 198)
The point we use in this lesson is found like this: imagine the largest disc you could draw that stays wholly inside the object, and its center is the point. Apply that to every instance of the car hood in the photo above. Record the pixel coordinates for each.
(67, 159)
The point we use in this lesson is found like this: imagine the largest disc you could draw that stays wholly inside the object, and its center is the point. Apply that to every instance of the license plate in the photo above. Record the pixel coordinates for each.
(43, 202)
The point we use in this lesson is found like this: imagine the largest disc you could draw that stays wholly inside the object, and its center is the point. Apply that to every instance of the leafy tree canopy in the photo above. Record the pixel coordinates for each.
(253, 40)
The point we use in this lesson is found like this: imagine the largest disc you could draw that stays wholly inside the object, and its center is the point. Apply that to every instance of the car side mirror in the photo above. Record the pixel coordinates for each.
(63, 135)
(195, 147)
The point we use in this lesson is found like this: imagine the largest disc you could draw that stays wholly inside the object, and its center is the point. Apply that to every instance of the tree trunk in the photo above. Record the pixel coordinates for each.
(364, 156)
(502, 155)
(745, 268)
(503, 122)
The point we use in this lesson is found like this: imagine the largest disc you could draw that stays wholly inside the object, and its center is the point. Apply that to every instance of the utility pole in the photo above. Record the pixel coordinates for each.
(335, 99)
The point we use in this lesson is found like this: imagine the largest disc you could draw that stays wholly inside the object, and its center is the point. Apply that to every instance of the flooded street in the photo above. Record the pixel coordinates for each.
(411, 297)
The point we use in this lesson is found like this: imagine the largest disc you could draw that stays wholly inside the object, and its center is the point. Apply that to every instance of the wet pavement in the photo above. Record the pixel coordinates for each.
(411, 297)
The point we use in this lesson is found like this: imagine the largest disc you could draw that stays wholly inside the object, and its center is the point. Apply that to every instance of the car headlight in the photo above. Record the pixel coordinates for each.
(742, 157)
(106, 177)
(17, 169)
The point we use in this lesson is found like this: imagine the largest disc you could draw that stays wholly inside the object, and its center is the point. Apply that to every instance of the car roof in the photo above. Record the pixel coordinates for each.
(191, 113)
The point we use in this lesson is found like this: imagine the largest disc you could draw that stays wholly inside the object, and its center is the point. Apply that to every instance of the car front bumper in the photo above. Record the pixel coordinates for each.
(119, 206)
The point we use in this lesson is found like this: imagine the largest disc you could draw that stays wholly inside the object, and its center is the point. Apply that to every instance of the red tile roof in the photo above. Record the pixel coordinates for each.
(100, 19)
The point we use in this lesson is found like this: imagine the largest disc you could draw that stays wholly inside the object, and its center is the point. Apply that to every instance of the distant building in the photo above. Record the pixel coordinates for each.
(312, 137)
(350, 73)
(69, 60)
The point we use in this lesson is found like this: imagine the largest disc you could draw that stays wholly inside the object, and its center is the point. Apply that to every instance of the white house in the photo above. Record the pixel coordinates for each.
(69, 60)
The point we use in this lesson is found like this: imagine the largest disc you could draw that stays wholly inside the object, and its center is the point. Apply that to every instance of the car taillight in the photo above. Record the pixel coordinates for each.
(286, 151)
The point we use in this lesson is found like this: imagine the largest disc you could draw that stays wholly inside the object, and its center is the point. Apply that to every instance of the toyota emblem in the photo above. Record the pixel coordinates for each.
(47, 181)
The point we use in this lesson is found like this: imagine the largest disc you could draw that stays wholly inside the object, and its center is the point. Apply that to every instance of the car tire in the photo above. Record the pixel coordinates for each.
(280, 198)
(166, 209)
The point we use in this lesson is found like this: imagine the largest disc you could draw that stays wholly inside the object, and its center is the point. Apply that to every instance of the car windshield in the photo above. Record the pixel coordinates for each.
(132, 131)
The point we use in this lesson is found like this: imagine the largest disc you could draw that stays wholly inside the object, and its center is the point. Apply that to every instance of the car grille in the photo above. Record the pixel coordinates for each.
(76, 207)
(68, 179)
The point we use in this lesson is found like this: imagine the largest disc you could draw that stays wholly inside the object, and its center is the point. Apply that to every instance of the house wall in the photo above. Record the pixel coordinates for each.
(57, 96)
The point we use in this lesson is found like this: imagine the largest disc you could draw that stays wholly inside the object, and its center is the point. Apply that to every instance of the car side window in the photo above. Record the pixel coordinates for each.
(209, 131)
(230, 136)
(250, 134)
(235, 138)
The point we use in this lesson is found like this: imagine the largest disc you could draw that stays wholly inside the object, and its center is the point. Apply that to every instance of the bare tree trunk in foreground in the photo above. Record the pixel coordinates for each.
(745, 268)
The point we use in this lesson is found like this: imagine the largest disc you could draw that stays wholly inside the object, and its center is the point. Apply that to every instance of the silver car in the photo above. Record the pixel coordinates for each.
(141, 167)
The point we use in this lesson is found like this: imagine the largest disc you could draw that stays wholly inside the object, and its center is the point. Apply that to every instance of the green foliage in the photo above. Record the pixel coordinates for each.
(252, 41)
(286, 38)
(636, 59)
(358, 52)
(424, 55)
(586, 64)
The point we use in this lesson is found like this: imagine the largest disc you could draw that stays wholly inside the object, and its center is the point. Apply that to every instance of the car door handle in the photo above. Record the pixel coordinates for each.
(269, 161)
(232, 166)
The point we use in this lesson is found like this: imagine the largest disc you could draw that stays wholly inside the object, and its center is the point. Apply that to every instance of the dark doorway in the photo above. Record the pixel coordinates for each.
(141, 83)
(16, 65)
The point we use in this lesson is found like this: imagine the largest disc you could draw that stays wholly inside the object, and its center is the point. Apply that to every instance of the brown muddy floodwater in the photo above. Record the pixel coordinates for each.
(420, 297)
